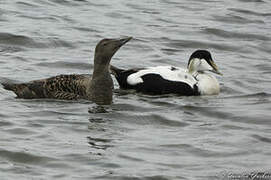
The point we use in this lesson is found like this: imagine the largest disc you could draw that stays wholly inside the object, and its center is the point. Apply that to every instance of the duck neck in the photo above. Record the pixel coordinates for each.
(100, 70)
(193, 66)
(101, 84)
(193, 72)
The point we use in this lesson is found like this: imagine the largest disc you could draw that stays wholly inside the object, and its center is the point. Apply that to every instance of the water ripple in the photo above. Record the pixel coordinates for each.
(25, 41)
(66, 65)
(181, 44)
(261, 138)
(250, 12)
(235, 35)
(236, 19)
(22, 157)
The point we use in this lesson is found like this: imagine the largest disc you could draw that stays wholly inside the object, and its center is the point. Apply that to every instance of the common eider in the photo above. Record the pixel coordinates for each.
(195, 80)
(97, 87)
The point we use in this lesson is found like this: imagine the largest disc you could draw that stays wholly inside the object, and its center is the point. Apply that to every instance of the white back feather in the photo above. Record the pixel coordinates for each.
(166, 72)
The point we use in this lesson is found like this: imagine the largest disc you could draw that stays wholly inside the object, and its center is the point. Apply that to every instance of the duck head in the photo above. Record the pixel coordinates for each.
(106, 48)
(200, 61)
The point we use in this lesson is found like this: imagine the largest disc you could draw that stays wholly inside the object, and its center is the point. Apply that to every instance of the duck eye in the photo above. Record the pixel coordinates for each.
(104, 44)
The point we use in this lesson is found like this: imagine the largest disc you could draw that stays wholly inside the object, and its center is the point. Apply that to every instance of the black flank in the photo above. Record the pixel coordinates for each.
(154, 84)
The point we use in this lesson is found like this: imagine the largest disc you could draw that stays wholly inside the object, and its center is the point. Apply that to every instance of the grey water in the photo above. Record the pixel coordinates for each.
(140, 137)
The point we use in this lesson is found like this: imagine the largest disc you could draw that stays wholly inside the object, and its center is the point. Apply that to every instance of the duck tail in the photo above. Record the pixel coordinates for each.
(8, 86)
(21, 90)
(120, 75)
(115, 71)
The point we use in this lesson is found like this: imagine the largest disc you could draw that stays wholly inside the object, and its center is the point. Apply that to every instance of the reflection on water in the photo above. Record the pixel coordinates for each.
(139, 136)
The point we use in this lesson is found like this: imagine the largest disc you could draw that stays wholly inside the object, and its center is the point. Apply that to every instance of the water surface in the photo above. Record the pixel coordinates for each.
(141, 137)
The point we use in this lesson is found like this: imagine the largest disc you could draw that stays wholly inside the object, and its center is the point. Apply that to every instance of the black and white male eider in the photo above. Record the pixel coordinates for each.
(97, 87)
(195, 80)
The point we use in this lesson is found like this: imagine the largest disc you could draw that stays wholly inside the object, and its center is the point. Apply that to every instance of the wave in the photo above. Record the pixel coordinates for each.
(10, 39)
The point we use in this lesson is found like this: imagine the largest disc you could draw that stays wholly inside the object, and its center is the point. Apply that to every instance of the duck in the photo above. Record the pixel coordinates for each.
(96, 87)
(196, 79)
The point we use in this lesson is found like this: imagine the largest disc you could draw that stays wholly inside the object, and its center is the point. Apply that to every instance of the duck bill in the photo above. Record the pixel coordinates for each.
(124, 40)
(215, 69)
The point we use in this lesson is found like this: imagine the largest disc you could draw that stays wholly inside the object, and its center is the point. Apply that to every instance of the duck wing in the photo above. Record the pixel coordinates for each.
(162, 80)
(59, 87)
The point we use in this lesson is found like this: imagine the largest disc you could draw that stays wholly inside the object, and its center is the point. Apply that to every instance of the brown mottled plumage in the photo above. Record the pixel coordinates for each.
(97, 88)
